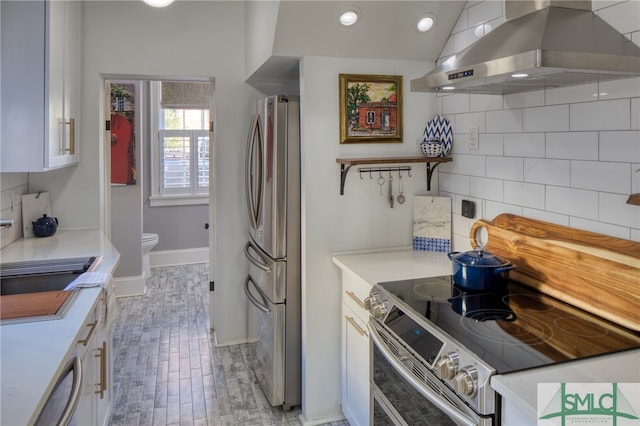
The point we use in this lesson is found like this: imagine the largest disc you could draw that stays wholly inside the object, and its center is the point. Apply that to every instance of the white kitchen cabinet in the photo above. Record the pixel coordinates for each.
(104, 365)
(94, 348)
(355, 350)
(40, 72)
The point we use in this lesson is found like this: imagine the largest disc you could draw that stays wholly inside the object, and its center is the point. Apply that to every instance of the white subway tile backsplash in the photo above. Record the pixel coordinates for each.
(488, 189)
(457, 103)
(463, 21)
(620, 146)
(572, 202)
(457, 184)
(635, 114)
(494, 209)
(524, 100)
(559, 219)
(524, 194)
(485, 102)
(614, 89)
(572, 145)
(464, 122)
(460, 144)
(565, 95)
(524, 144)
(506, 121)
(509, 168)
(547, 171)
(624, 17)
(596, 5)
(485, 11)
(599, 227)
(546, 119)
(635, 178)
(615, 210)
(472, 165)
(490, 144)
(601, 176)
(601, 115)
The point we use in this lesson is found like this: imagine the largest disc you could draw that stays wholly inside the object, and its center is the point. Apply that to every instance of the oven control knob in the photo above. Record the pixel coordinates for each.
(379, 310)
(447, 366)
(372, 299)
(466, 381)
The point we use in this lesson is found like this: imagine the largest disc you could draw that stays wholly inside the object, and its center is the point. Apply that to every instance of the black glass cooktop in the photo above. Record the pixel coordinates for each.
(513, 330)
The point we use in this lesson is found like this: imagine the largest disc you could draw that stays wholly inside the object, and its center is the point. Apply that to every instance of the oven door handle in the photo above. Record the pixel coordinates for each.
(451, 411)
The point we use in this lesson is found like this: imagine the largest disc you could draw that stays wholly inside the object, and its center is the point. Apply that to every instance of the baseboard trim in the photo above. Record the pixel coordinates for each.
(179, 257)
(332, 419)
(130, 286)
(229, 343)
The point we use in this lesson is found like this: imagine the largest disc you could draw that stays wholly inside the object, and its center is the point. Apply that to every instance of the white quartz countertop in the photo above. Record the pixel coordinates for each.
(521, 388)
(394, 264)
(32, 354)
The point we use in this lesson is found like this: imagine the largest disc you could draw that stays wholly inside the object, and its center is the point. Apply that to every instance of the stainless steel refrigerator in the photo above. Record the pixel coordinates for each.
(272, 184)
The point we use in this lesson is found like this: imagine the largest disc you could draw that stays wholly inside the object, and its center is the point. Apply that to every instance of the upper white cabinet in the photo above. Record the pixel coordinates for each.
(40, 74)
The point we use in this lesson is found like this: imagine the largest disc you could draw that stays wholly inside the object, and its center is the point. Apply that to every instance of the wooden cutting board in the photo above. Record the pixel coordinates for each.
(597, 273)
(32, 304)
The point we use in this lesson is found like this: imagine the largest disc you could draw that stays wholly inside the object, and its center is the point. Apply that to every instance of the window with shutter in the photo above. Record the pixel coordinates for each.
(180, 148)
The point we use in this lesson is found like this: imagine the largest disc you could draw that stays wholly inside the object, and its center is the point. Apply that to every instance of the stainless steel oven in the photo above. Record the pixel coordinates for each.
(435, 347)
(404, 391)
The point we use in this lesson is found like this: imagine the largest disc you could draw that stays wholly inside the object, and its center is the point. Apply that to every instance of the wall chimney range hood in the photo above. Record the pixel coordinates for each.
(554, 43)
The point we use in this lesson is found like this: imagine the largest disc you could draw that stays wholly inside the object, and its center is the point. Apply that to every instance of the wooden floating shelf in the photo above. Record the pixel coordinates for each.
(347, 163)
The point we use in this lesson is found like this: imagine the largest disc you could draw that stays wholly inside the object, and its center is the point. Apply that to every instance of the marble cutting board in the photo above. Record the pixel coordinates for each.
(432, 223)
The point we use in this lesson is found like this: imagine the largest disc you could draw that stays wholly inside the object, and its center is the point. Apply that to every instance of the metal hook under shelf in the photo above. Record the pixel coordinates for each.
(380, 170)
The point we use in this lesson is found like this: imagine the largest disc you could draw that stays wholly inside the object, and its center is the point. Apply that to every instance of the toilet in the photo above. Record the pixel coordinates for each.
(149, 241)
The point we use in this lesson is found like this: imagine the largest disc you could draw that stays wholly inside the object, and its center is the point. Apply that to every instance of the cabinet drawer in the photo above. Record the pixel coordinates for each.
(354, 291)
(88, 330)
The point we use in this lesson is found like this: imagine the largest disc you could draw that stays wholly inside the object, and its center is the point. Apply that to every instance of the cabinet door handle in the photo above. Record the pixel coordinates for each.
(355, 298)
(72, 136)
(86, 339)
(355, 325)
(102, 354)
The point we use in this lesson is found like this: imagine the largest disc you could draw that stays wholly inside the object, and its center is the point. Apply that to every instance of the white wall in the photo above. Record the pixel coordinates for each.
(359, 219)
(564, 156)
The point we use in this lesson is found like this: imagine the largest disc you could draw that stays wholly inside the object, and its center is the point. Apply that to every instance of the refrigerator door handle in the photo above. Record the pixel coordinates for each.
(260, 305)
(260, 263)
(254, 142)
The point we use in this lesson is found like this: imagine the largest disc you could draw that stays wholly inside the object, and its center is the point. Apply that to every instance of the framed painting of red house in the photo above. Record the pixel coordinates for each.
(370, 108)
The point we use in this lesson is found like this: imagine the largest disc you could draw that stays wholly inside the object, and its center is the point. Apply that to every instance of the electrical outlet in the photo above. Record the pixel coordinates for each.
(474, 141)
(468, 209)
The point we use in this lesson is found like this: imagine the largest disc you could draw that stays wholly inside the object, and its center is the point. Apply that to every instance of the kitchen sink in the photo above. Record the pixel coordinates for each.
(36, 283)
(20, 279)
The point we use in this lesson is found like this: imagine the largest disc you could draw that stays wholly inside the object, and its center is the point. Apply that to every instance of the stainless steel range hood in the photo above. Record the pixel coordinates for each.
(555, 43)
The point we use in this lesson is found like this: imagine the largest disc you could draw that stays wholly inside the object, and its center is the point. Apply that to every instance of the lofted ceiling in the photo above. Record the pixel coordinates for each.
(386, 30)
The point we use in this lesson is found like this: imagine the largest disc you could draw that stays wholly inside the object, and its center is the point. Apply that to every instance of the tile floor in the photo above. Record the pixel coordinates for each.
(166, 368)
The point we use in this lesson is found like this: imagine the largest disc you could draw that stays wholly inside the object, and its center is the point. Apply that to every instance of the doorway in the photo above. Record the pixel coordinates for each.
(147, 193)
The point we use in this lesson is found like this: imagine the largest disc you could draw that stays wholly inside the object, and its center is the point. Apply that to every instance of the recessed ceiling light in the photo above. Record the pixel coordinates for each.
(425, 23)
(158, 3)
(520, 75)
(349, 17)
